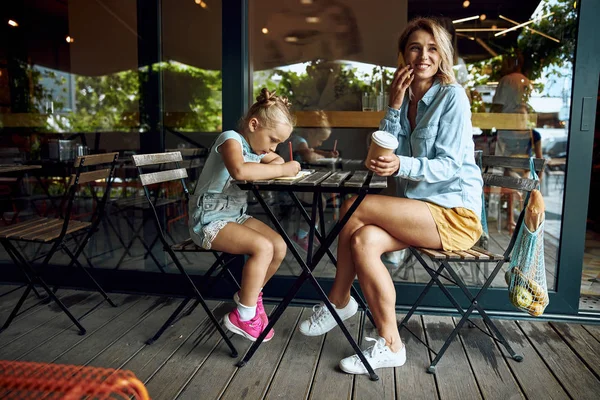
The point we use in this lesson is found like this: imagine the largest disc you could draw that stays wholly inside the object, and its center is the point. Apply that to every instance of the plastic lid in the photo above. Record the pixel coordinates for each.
(385, 139)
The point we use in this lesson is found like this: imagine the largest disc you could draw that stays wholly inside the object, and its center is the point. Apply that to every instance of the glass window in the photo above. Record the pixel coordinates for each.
(335, 61)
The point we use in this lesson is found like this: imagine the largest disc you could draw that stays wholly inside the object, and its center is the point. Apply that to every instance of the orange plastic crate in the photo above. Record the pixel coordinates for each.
(30, 380)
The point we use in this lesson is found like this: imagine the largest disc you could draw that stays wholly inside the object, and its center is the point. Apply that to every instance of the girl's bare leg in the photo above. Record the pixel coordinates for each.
(241, 239)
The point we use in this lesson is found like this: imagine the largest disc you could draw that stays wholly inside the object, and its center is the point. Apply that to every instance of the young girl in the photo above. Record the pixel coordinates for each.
(305, 144)
(218, 218)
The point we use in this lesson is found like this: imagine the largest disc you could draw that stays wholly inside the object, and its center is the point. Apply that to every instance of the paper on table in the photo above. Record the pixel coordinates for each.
(299, 175)
(327, 160)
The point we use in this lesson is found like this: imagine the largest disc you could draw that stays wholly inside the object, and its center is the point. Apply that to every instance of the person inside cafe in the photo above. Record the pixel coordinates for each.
(305, 144)
(218, 218)
(440, 183)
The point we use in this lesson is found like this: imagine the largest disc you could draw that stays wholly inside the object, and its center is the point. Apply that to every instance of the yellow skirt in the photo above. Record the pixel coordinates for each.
(459, 228)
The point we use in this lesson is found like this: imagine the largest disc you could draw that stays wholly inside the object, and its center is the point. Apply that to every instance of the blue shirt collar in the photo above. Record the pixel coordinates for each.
(431, 92)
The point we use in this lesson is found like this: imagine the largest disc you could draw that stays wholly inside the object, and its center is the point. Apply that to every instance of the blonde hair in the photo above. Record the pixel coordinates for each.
(322, 128)
(269, 110)
(441, 38)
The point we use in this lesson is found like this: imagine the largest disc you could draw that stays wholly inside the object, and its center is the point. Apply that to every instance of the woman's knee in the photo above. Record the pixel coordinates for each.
(366, 241)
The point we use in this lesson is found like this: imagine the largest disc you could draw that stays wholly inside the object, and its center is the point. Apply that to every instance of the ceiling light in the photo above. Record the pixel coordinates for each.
(197, 1)
(458, 21)
(69, 39)
(201, 3)
(482, 17)
(523, 24)
(291, 39)
(13, 23)
(466, 3)
(479, 29)
(313, 20)
(306, 1)
(530, 29)
(265, 30)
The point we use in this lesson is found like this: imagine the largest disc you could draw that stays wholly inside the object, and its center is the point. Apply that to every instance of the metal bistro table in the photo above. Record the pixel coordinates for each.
(360, 183)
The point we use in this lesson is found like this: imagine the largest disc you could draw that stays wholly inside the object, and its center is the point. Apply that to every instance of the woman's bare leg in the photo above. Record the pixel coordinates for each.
(368, 244)
(408, 221)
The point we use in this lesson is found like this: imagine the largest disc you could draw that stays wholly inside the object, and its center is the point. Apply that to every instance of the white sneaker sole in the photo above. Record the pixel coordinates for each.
(234, 329)
(388, 364)
(313, 334)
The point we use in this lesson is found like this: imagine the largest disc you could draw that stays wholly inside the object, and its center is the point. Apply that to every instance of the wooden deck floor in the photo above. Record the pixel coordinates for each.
(190, 362)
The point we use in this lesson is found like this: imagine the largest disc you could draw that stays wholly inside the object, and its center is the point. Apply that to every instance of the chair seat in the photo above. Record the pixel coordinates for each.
(188, 245)
(40, 229)
(473, 254)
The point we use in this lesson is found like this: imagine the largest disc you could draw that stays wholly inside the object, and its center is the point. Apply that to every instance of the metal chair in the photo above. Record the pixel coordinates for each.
(165, 175)
(60, 232)
(474, 255)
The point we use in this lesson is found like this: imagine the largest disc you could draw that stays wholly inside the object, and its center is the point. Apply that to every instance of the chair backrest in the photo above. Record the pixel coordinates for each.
(88, 169)
(166, 174)
(496, 177)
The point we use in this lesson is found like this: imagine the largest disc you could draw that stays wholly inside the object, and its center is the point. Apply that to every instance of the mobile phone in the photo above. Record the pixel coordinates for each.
(401, 62)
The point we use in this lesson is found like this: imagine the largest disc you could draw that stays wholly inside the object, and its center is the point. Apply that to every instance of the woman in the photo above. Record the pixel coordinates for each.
(440, 182)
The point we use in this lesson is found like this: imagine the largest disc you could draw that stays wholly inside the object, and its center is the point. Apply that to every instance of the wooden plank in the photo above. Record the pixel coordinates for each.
(435, 255)
(478, 255)
(335, 179)
(6, 169)
(140, 160)
(97, 341)
(314, 178)
(364, 387)
(90, 176)
(95, 159)
(66, 339)
(582, 342)
(292, 181)
(488, 253)
(163, 176)
(220, 368)
(593, 330)
(11, 228)
(189, 152)
(533, 375)
(36, 331)
(454, 375)
(510, 182)
(51, 234)
(493, 376)
(329, 383)
(378, 182)
(512, 162)
(167, 381)
(465, 255)
(34, 313)
(134, 340)
(357, 179)
(300, 360)
(35, 230)
(572, 373)
(511, 121)
(412, 382)
(148, 362)
(253, 380)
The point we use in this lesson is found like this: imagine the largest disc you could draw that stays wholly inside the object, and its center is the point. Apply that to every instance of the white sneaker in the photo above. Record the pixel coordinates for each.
(379, 356)
(322, 321)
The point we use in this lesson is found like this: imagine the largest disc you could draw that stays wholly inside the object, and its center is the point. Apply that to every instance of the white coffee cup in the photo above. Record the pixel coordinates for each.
(382, 144)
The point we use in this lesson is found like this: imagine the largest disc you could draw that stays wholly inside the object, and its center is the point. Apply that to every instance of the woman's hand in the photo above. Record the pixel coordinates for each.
(402, 80)
(290, 168)
(384, 165)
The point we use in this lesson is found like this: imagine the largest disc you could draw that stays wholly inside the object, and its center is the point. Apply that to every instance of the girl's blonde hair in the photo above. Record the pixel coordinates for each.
(441, 38)
(269, 110)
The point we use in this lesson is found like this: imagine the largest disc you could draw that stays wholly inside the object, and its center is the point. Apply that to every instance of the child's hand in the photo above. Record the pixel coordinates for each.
(334, 154)
(290, 168)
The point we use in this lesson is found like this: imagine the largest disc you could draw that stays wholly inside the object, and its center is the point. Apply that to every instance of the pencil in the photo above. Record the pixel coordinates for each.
(334, 145)
(291, 152)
